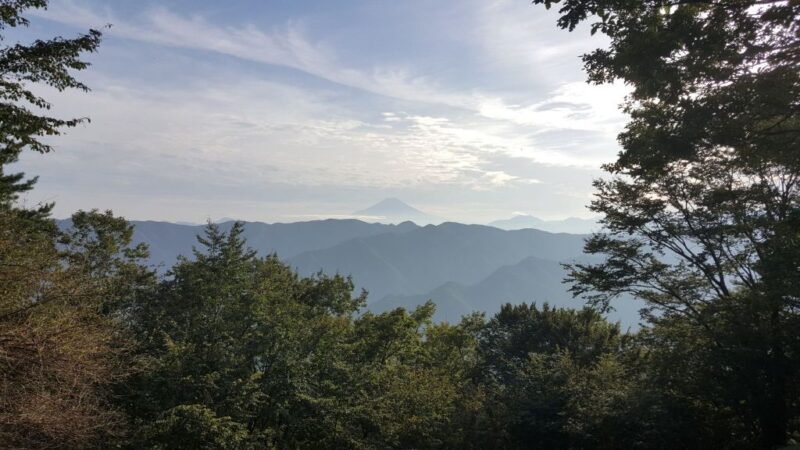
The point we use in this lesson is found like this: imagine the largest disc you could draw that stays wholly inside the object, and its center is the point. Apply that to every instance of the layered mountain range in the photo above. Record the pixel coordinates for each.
(462, 268)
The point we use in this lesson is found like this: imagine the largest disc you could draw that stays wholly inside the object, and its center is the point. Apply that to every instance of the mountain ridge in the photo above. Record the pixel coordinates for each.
(167, 240)
(461, 267)
(432, 255)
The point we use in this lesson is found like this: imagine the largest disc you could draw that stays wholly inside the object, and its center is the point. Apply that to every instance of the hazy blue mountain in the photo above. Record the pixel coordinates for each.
(461, 267)
(168, 240)
(531, 280)
(422, 259)
(392, 210)
(569, 225)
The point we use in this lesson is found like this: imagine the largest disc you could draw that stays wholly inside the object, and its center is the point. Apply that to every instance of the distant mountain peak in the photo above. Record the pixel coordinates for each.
(389, 205)
(225, 219)
(394, 210)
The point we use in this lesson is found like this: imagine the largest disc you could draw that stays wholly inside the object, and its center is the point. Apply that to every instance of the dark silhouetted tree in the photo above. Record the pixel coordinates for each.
(702, 207)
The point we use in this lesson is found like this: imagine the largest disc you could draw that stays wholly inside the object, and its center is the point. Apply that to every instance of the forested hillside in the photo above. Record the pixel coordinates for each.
(228, 347)
(423, 258)
(532, 280)
(462, 268)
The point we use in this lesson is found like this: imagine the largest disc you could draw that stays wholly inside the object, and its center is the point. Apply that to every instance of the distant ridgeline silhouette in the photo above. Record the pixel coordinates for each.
(462, 268)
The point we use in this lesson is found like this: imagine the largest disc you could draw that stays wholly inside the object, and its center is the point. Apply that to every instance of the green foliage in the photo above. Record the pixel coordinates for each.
(47, 62)
(62, 345)
(230, 350)
(197, 427)
(244, 352)
(61, 351)
(283, 358)
(553, 376)
(702, 206)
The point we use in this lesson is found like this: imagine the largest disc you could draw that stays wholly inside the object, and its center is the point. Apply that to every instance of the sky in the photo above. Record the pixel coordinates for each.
(281, 110)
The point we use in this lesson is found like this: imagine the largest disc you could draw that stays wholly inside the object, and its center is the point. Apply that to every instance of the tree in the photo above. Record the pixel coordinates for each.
(553, 377)
(62, 346)
(46, 62)
(240, 344)
(702, 209)
(245, 353)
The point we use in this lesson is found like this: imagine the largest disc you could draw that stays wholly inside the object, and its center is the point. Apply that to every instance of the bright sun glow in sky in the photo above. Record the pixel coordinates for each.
(282, 111)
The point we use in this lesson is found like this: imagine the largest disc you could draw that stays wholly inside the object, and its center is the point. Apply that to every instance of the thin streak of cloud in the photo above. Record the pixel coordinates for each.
(290, 47)
(287, 46)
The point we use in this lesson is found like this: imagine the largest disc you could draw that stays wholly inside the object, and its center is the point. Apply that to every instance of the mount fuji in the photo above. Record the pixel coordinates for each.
(393, 210)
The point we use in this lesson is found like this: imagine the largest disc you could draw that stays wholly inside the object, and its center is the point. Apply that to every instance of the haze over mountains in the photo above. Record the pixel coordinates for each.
(169, 240)
(568, 225)
(421, 259)
(395, 211)
(463, 268)
(532, 279)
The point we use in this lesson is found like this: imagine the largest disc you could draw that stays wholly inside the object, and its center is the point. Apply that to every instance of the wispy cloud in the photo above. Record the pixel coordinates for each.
(372, 123)
(571, 106)
(290, 46)
(261, 132)
(287, 46)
